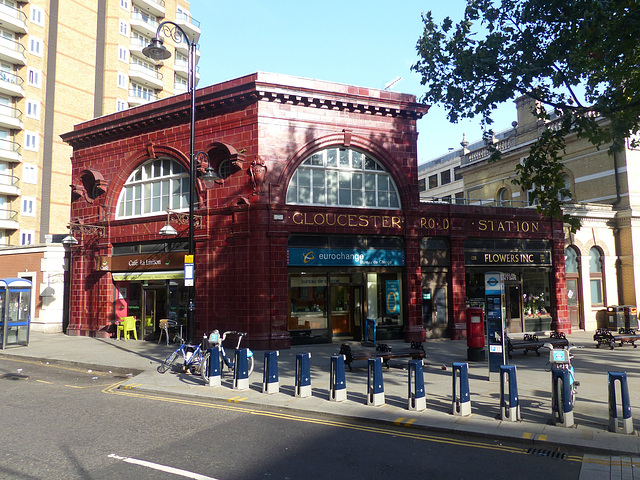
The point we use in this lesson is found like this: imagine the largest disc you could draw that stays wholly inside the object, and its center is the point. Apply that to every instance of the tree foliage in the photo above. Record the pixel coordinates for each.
(578, 59)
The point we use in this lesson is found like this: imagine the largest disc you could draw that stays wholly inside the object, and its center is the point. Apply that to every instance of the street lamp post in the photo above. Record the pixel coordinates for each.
(68, 242)
(157, 51)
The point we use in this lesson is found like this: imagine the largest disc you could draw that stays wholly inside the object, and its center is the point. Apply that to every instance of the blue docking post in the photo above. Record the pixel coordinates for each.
(509, 404)
(375, 385)
(270, 382)
(461, 397)
(303, 375)
(561, 397)
(241, 374)
(338, 380)
(215, 372)
(417, 399)
(627, 421)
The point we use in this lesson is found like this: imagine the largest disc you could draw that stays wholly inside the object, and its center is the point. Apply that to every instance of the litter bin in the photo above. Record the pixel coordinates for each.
(615, 317)
(630, 317)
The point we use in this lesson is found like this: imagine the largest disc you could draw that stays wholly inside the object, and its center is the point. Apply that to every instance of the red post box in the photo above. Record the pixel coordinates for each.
(475, 334)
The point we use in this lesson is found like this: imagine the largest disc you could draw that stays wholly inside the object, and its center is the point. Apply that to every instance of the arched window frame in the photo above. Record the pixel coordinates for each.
(154, 187)
(342, 177)
(596, 276)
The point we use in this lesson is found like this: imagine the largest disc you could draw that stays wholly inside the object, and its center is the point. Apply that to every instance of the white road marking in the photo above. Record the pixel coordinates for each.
(162, 468)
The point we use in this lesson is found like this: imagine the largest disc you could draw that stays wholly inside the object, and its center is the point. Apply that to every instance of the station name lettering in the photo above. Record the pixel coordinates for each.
(346, 220)
(507, 226)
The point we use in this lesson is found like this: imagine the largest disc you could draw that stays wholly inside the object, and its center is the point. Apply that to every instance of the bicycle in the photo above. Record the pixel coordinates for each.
(226, 359)
(191, 355)
(560, 360)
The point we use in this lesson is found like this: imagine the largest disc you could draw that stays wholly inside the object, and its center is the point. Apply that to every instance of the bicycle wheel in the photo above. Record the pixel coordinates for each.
(560, 399)
(250, 365)
(204, 368)
(170, 360)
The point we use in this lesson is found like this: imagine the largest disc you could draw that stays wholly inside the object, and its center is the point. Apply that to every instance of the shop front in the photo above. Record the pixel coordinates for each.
(336, 283)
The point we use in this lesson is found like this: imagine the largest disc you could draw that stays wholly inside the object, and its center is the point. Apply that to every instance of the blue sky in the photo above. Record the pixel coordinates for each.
(357, 42)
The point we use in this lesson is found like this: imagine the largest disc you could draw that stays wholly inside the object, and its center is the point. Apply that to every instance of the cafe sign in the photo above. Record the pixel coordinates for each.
(140, 262)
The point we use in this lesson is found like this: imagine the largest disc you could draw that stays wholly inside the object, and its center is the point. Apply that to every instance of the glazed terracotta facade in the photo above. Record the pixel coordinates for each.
(266, 125)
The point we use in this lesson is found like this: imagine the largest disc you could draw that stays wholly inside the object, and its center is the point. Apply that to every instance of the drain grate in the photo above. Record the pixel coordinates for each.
(546, 453)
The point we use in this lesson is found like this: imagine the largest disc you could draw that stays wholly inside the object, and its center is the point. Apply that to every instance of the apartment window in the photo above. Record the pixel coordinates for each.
(142, 92)
(422, 185)
(122, 80)
(124, 4)
(121, 105)
(33, 109)
(445, 177)
(35, 46)
(433, 181)
(29, 174)
(37, 16)
(26, 237)
(31, 141)
(181, 61)
(456, 174)
(34, 77)
(123, 54)
(124, 28)
(28, 206)
(595, 273)
(459, 198)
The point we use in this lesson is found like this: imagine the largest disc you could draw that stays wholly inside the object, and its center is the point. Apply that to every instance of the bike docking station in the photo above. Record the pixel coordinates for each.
(416, 395)
(337, 379)
(303, 375)
(561, 405)
(375, 385)
(461, 404)
(215, 370)
(626, 423)
(270, 382)
(241, 372)
(509, 405)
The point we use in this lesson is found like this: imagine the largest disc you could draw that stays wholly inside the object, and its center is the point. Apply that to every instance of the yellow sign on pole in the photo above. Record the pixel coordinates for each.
(188, 258)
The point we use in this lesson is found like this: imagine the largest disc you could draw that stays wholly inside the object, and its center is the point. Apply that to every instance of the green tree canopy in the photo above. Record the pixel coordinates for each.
(579, 59)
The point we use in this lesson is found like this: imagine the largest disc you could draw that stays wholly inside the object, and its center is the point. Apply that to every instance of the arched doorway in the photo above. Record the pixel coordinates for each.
(572, 274)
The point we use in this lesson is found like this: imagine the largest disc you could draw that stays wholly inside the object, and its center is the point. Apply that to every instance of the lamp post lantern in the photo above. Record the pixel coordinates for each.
(157, 51)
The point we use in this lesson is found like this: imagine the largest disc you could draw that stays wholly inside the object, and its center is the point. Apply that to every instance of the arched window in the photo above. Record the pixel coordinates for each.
(154, 187)
(595, 273)
(342, 177)
(503, 197)
(571, 260)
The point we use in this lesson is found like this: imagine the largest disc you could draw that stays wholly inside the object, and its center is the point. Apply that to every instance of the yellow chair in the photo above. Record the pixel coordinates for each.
(127, 324)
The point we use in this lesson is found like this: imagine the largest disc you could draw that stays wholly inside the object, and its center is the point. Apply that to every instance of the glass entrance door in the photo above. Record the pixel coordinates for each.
(513, 298)
(155, 307)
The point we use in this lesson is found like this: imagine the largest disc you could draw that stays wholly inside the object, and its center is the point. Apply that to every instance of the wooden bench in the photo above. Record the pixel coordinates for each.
(605, 337)
(384, 351)
(531, 342)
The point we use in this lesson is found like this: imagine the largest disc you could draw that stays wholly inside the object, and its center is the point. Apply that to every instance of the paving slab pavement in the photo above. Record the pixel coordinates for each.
(590, 433)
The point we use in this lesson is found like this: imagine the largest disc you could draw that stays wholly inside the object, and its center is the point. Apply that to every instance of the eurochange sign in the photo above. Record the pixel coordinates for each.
(326, 257)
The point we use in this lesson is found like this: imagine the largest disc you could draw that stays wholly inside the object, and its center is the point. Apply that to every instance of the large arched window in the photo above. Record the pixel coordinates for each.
(595, 272)
(342, 177)
(154, 187)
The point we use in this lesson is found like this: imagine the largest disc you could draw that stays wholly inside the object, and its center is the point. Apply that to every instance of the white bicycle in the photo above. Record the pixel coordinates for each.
(227, 359)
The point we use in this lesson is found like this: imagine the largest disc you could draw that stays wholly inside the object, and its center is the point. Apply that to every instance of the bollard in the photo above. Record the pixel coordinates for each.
(241, 372)
(416, 397)
(561, 403)
(509, 405)
(215, 372)
(627, 421)
(462, 400)
(270, 382)
(375, 385)
(303, 375)
(337, 379)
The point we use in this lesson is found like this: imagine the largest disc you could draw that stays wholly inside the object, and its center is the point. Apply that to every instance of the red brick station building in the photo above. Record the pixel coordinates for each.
(315, 227)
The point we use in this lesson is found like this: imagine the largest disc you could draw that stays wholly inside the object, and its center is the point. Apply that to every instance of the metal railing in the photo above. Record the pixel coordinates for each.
(8, 77)
(148, 19)
(6, 214)
(13, 12)
(9, 111)
(13, 45)
(482, 202)
(9, 180)
(134, 67)
(187, 18)
(9, 146)
(143, 95)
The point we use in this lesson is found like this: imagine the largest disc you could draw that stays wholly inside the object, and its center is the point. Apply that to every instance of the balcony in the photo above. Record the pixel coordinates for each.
(8, 219)
(140, 97)
(10, 117)
(145, 76)
(10, 151)
(13, 19)
(144, 24)
(154, 7)
(12, 52)
(189, 24)
(9, 185)
(179, 88)
(137, 44)
(11, 84)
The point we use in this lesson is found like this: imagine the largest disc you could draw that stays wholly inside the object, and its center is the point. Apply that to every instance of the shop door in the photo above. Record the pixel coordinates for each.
(342, 311)
(155, 307)
(573, 302)
(513, 299)
(434, 304)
